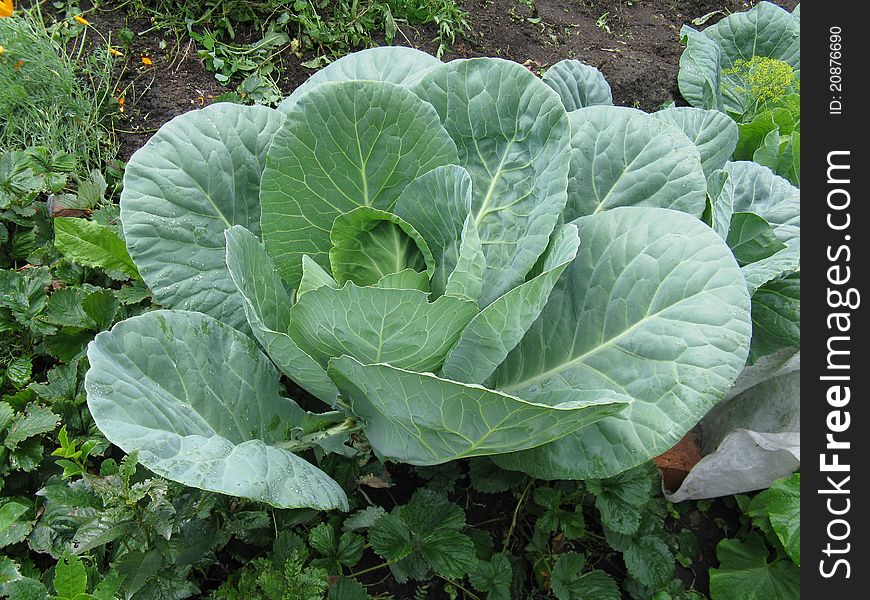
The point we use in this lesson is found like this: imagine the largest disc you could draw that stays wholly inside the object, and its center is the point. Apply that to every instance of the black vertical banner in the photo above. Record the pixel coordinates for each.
(835, 369)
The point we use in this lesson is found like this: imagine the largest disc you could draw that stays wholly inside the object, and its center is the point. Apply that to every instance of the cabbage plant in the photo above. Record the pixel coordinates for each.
(455, 259)
(748, 66)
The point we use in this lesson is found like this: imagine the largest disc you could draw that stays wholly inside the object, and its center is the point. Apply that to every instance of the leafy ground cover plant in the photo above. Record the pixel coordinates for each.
(748, 66)
(51, 97)
(763, 560)
(567, 540)
(441, 254)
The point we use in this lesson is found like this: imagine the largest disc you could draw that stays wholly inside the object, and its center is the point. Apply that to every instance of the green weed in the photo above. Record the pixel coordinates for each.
(51, 98)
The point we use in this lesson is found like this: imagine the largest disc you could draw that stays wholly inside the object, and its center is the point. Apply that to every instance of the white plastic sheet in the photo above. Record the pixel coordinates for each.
(752, 438)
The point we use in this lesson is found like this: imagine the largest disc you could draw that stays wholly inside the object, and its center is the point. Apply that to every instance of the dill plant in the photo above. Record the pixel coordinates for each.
(763, 82)
(51, 98)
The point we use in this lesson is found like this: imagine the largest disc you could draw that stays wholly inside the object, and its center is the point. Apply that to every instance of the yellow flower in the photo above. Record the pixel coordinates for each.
(80, 20)
(114, 52)
(2, 50)
(146, 61)
(6, 8)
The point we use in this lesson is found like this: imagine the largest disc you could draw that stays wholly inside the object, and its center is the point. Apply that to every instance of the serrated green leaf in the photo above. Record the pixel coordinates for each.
(391, 538)
(26, 589)
(24, 242)
(450, 553)
(784, 509)
(68, 344)
(345, 551)
(19, 371)
(225, 424)
(412, 567)
(108, 586)
(196, 177)
(363, 519)
(34, 421)
(336, 151)
(6, 414)
(436, 525)
(137, 568)
(569, 583)
(70, 577)
(345, 588)
(744, 572)
(422, 419)
(25, 296)
(596, 585)
(101, 307)
(93, 245)
(27, 456)
(65, 308)
(493, 578)
(13, 528)
(428, 525)
(8, 571)
(782, 505)
(488, 478)
(350, 549)
(649, 560)
(132, 294)
(516, 151)
(322, 538)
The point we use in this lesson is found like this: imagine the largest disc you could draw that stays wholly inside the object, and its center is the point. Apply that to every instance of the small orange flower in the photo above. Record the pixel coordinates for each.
(114, 52)
(81, 20)
(146, 61)
(6, 8)
(121, 104)
(18, 64)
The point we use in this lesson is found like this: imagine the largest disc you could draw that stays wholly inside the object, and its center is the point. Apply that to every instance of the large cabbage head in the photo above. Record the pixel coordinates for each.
(444, 255)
